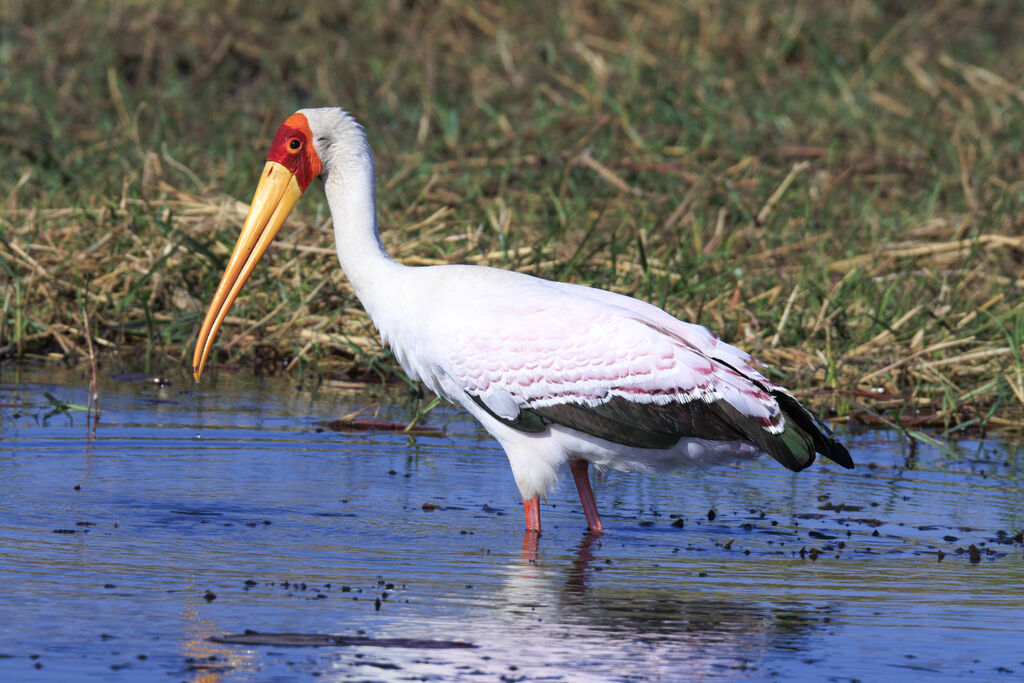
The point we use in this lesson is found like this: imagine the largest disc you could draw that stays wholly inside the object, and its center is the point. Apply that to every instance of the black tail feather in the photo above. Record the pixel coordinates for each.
(809, 427)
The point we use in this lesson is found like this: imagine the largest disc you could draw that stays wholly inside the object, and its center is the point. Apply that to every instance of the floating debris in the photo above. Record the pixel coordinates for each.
(352, 425)
(333, 640)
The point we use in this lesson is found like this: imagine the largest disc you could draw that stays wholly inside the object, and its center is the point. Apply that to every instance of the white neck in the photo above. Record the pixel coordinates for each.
(360, 252)
(348, 178)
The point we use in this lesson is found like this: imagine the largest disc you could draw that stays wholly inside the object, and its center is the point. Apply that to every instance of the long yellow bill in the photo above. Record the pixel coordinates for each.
(275, 197)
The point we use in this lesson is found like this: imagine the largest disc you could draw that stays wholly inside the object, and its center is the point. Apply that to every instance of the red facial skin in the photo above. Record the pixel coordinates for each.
(301, 159)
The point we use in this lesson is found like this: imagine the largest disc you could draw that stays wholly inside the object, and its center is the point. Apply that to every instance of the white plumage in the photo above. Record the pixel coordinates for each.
(555, 372)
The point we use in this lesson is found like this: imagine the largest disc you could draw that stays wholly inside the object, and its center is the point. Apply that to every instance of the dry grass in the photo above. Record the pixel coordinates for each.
(835, 186)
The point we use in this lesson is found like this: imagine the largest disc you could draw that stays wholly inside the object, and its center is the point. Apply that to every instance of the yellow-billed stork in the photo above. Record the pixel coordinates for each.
(555, 372)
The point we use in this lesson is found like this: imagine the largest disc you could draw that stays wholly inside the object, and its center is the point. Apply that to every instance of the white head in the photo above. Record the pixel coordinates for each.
(323, 142)
(338, 140)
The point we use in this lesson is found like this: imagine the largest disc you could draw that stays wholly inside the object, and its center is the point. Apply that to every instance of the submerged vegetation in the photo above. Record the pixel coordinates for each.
(836, 187)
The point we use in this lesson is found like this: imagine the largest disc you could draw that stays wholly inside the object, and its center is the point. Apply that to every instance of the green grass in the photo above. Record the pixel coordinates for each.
(835, 186)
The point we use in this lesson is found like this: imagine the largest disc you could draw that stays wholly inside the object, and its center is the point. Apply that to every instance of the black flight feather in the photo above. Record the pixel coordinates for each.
(650, 425)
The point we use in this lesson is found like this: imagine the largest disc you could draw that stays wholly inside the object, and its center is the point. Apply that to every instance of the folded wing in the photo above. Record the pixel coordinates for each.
(631, 375)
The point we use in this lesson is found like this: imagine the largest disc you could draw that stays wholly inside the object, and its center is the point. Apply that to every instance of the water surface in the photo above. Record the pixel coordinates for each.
(198, 512)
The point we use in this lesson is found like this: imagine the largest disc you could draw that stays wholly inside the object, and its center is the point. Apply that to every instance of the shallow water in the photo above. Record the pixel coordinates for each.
(201, 512)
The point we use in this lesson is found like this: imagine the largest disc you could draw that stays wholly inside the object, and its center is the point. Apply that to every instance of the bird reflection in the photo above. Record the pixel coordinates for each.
(577, 596)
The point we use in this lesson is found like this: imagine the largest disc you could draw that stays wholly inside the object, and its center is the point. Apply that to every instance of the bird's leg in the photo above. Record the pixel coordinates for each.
(532, 509)
(579, 473)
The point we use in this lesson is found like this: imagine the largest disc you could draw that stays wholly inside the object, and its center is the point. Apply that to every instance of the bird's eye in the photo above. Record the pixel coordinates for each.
(295, 145)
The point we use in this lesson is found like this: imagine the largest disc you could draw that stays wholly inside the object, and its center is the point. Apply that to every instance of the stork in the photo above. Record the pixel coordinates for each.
(558, 373)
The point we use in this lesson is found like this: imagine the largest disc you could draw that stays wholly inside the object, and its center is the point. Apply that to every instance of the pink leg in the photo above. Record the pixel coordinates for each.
(579, 473)
(532, 509)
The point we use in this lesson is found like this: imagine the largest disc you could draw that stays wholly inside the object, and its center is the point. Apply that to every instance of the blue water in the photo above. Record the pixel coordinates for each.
(123, 552)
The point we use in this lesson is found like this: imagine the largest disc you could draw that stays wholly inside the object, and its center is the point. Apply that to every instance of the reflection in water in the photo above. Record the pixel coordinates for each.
(576, 581)
(683, 635)
(206, 661)
(109, 544)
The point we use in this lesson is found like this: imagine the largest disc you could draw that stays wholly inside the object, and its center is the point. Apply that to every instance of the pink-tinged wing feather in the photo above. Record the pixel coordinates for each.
(696, 336)
(546, 344)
